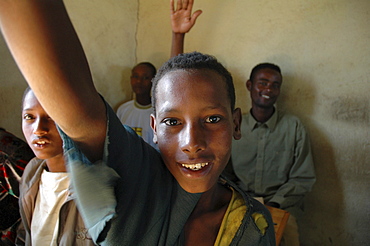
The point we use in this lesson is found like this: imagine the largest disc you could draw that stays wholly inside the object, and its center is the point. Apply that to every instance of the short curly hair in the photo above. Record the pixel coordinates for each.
(149, 65)
(194, 61)
(263, 66)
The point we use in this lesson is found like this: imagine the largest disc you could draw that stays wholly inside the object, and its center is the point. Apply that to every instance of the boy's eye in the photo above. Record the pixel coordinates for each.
(27, 117)
(213, 119)
(171, 122)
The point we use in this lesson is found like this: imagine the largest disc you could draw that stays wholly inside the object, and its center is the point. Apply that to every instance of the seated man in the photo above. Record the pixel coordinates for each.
(273, 158)
(136, 113)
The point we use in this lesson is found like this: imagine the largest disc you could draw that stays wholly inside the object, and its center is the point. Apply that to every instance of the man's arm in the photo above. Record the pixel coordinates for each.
(49, 54)
(301, 175)
(181, 21)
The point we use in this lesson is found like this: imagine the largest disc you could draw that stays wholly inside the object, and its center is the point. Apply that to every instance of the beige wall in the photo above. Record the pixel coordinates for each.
(322, 47)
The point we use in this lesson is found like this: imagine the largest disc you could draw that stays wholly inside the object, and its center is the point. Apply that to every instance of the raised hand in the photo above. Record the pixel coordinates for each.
(182, 20)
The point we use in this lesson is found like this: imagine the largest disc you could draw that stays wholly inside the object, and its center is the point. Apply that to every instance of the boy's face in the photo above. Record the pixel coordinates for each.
(40, 130)
(194, 126)
(141, 79)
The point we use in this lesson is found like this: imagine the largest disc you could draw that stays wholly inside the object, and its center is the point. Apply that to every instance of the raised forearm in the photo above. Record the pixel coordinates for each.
(49, 54)
(177, 46)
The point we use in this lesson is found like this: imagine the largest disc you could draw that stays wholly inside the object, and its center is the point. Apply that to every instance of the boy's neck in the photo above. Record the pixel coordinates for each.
(143, 99)
(207, 216)
(56, 164)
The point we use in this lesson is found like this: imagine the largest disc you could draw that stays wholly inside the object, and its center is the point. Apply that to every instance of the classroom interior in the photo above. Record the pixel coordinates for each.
(322, 47)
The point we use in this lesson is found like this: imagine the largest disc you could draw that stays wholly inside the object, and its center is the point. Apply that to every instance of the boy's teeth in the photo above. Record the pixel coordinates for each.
(265, 96)
(40, 142)
(195, 167)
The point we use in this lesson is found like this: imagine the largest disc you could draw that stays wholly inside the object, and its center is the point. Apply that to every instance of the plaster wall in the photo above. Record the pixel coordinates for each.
(322, 47)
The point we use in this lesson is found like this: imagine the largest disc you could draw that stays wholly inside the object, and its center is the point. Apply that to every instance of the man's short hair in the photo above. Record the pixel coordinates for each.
(195, 61)
(263, 66)
(148, 64)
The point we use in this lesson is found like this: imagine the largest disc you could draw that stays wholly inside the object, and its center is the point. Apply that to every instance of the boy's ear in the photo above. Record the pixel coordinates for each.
(237, 119)
(248, 84)
(153, 125)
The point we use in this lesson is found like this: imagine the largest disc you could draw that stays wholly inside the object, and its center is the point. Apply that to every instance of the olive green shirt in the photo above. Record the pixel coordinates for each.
(273, 160)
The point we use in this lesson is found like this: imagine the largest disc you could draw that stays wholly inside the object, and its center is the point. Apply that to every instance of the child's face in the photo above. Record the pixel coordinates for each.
(194, 126)
(141, 79)
(40, 130)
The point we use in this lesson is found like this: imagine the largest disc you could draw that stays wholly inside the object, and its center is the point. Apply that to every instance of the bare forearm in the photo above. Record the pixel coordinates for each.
(177, 46)
(49, 54)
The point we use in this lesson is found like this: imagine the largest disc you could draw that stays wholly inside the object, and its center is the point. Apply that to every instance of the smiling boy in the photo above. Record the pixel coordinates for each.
(128, 193)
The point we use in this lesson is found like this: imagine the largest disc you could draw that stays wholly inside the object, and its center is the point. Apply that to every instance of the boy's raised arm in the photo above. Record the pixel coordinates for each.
(182, 20)
(49, 54)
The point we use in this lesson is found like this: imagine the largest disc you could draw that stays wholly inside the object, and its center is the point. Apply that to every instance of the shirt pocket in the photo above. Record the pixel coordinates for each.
(283, 160)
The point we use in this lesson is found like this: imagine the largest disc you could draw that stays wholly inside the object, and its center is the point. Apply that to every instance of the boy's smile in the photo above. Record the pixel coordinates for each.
(194, 126)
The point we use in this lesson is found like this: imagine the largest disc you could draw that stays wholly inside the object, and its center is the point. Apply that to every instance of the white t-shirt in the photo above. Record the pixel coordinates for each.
(137, 117)
(53, 192)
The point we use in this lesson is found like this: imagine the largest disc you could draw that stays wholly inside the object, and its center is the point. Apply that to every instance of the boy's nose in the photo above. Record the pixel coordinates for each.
(41, 128)
(192, 139)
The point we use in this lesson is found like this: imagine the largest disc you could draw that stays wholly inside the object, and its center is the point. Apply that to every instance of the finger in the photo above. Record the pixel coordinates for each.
(172, 7)
(179, 5)
(195, 15)
(185, 4)
(189, 5)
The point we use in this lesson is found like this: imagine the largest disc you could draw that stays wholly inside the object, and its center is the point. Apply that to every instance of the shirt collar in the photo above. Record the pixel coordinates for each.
(271, 123)
(138, 105)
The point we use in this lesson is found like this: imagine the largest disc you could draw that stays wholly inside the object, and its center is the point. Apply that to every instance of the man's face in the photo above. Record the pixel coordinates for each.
(194, 126)
(40, 130)
(265, 88)
(141, 79)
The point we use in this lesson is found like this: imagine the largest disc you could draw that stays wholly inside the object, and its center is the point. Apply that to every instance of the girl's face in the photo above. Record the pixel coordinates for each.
(40, 130)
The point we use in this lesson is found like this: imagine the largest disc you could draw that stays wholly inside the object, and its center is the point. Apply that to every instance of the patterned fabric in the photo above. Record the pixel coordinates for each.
(14, 156)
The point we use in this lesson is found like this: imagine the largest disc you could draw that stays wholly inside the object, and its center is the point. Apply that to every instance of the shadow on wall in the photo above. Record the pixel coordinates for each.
(297, 97)
(125, 87)
(242, 94)
(322, 222)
